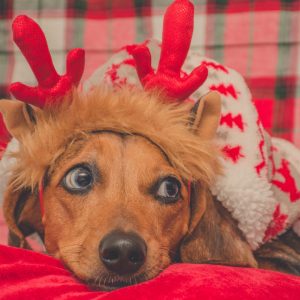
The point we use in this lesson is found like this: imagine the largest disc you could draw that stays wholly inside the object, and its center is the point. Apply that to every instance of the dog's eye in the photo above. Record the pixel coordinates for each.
(169, 190)
(78, 179)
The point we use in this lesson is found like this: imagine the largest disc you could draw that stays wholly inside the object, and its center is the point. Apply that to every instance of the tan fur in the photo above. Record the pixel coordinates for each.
(126, 110)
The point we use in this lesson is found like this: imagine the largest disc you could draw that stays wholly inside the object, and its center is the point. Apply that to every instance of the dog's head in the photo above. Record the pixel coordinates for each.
(124, 184)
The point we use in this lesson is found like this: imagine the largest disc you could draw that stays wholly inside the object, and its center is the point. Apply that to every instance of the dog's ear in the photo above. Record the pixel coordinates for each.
(213, 236)
(20, 207)
(204, 121)
(205, 116)
(19, 118)
(22, 214)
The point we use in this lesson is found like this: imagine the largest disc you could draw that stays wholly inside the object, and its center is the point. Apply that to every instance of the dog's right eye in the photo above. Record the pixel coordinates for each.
(79, 179)
(167, 190)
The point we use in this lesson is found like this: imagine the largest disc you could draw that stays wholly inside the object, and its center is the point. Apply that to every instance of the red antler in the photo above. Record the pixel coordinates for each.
(177, 36)
(32, 42)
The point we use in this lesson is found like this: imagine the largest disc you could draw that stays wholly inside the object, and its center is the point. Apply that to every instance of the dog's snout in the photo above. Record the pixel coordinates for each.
(122, 253)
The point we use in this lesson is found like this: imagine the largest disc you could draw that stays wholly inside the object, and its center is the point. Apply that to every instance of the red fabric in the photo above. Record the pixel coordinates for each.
(29, 275)
(32, 42)
(177, 35)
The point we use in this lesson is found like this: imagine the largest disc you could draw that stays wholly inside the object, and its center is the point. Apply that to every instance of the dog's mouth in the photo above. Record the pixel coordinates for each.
(110, 283)
(97, 277)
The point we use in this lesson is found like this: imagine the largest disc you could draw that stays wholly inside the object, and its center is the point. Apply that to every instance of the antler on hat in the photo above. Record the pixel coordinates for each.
(177, 35)
(51, 87)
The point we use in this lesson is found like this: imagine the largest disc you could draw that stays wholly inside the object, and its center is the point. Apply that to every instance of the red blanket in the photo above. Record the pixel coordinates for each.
(29, 275)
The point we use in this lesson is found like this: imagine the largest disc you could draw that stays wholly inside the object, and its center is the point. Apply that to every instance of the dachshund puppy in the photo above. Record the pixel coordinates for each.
(116, 184)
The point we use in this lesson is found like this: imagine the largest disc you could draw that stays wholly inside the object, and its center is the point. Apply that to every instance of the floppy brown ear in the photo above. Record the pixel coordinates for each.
(18, 117)
(213, 235)
(22, 214)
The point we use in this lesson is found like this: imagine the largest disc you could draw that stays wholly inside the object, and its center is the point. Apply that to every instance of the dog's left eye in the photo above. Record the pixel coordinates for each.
(78, 179)
(168, 190)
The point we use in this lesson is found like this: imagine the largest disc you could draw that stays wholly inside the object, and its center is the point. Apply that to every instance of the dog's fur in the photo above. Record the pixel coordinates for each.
(130, 139)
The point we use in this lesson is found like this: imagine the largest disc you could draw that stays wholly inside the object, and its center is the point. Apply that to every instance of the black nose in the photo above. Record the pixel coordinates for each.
(122, 253)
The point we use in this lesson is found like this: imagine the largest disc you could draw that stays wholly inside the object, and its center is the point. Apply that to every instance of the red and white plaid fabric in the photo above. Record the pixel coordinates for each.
(258, 38)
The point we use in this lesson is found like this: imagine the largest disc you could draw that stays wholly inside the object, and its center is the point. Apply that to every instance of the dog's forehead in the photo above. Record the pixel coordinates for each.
(124, 146)
(109, 149)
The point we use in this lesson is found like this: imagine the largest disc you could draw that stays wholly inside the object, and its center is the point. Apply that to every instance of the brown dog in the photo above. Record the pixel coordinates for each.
(125, 180)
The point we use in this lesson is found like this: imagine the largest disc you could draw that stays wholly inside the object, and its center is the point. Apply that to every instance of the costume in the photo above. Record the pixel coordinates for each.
(260, 185)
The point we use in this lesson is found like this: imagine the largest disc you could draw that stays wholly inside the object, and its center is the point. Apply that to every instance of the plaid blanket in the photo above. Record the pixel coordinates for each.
(258, 38)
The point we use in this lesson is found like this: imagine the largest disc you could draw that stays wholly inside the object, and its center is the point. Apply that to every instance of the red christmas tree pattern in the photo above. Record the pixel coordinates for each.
(288, 185)
(277, 224)
(225, 90)
(234, 153)
(215, 66)
(231, 121)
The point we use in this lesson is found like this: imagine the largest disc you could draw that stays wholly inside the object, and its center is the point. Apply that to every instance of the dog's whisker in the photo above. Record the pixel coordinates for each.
(96, 281)
(110, 280)
(105, 280)
(100, 280)
(136, 280)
